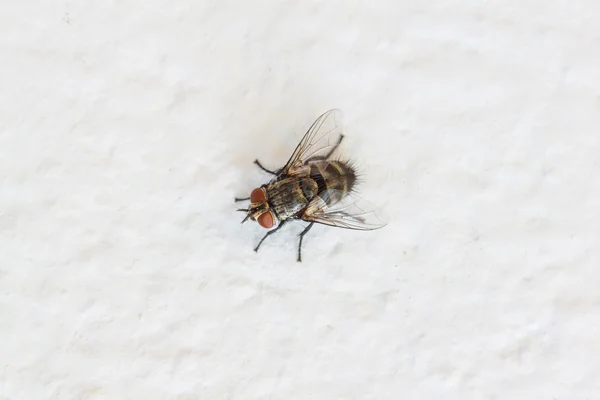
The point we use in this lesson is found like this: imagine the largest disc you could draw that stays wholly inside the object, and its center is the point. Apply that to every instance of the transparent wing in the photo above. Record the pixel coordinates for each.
(320, 138)
(350, 212)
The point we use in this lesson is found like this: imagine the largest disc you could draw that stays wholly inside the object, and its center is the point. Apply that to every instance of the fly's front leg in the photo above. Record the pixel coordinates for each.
(242, 199)
(263, 168)
(270, 233)
(302, 237)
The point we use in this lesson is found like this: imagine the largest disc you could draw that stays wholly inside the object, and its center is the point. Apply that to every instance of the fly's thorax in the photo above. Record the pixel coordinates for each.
(290, 195)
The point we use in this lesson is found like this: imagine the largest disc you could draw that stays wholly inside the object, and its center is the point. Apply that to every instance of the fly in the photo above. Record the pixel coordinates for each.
(312, 187)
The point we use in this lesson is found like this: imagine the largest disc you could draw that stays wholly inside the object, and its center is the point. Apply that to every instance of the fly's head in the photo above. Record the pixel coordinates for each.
(259, 209)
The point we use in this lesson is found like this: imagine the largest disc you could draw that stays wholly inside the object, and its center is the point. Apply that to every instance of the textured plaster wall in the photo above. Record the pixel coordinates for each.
(126, 129)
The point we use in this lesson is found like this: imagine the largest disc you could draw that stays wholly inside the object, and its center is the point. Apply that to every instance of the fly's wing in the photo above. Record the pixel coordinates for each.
(349, 211)
(320, 138)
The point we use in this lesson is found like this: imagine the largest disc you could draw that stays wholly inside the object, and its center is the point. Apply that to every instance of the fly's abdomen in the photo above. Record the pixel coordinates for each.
(334, 179)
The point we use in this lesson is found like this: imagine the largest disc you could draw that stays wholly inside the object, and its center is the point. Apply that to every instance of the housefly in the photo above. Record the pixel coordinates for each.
(312, 187)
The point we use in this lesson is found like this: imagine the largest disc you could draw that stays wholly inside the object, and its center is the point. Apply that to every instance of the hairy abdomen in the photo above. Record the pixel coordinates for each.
(336, 177)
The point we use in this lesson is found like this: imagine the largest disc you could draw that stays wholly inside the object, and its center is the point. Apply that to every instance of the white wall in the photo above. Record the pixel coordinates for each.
(126, 129)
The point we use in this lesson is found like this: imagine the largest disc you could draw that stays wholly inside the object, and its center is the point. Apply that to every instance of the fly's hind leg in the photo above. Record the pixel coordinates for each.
(304, 232)
(263, 168)
(326, 156)
(335, 146)
(269, 233)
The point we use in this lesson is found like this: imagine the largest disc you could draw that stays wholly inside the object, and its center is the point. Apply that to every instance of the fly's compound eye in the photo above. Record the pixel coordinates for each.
(257, 196)
(266, 220)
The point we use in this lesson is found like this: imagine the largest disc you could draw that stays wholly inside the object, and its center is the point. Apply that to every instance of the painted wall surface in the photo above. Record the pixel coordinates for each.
(127, 128)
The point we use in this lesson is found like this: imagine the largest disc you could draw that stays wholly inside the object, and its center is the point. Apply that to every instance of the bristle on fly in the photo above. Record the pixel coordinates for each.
(352, 175)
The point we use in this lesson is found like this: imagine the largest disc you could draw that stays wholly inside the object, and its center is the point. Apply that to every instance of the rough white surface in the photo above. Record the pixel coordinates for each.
(126, 129)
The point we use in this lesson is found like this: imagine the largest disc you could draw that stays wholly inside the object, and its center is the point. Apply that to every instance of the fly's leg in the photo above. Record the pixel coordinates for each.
(263, 168)
(269, 233)
(302, 237)
(326, 156)
(242, 199)
(334, 147)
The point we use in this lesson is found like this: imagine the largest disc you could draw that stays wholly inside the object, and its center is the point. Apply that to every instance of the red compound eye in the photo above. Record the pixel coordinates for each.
(257, 195)
(266, 220)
